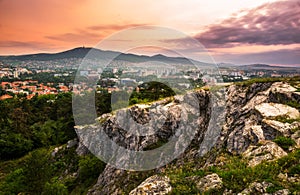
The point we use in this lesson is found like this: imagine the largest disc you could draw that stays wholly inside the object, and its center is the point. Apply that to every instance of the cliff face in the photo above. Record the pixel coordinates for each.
(148, 137)
(202, 129)
(250, 111)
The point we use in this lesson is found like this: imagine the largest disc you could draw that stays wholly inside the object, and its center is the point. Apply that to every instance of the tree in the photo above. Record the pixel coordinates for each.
(150, 91)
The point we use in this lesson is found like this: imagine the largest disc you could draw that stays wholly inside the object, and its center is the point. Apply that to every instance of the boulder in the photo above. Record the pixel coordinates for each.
(72, 143)
(282, 128)
(273, 110)
(256, 188)
(56, 150)
(209, 182)
(281, 87)
(283, 92)
(281, 192)
(156, 185)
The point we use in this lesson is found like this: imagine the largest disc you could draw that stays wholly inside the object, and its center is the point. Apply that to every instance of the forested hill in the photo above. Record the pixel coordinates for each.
(81, 52)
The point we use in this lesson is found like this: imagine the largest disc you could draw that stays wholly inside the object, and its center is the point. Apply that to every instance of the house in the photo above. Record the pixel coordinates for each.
(6, 96)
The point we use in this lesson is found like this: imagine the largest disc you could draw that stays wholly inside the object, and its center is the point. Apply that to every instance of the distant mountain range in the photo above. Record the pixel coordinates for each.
(81, 52)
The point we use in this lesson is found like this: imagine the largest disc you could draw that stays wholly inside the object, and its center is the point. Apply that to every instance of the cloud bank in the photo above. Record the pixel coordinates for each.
(269, 24)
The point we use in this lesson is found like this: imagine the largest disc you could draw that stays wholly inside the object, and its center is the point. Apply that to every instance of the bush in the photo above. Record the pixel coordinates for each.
(14, 183)
(149, 92)
(284, 142)
(294, 104)
(14, 145)
(273, 189)
(55, 187)
(294, 170)
(90, 167)
(37, 170)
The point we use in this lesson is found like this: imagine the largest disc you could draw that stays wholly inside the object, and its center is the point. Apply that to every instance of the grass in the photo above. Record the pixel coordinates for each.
(294, 130)
(294, 170)
(294, 104)
(267, 80)
(181, 178)
(285, 119)
(237, 175)
(274, 188)
(259, 80)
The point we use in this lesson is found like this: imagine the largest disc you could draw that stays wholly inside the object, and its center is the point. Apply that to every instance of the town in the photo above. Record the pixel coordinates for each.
(29, 78)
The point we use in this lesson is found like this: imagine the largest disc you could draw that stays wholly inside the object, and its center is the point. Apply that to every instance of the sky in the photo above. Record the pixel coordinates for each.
(236, 31)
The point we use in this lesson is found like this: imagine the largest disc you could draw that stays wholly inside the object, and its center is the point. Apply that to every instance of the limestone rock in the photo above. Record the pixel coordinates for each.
(282, 192)
(283, 92)
(268, 151)
(156, 185)
(272, 110)
(108, 181)
(209, 182)
(282, 176)
(56, 150)
(250, 113)
(256, 188)
(296, 138)
(228, 192)
(81, 150)
(244, 135)
(282, 87)
(283, 128)
(294, 179)
(258, 131)
(72, 143)
(242, 121)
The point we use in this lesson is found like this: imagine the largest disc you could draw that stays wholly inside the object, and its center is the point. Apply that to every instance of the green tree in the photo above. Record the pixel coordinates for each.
(150, 91)
(55, 187)
(14, 183)
(37, 171)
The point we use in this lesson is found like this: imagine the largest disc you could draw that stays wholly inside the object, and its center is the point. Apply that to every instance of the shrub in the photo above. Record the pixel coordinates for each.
(284, 142)
(55, 187)
(90, 167)
(273, 189)
(149, 92)
(14, 183)
(294, 170)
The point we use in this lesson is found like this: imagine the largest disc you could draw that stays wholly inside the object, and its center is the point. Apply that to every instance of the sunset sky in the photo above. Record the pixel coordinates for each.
(239, 31)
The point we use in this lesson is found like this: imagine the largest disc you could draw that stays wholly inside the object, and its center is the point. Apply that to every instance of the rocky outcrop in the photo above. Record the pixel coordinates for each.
(252, 115)
(261, 188)
(267, 151)
(184, 119)
(283, 92)
(209, 182)
(156, 185)
(256, 188)
(281, 192)
(251, 124)
(238, 133)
